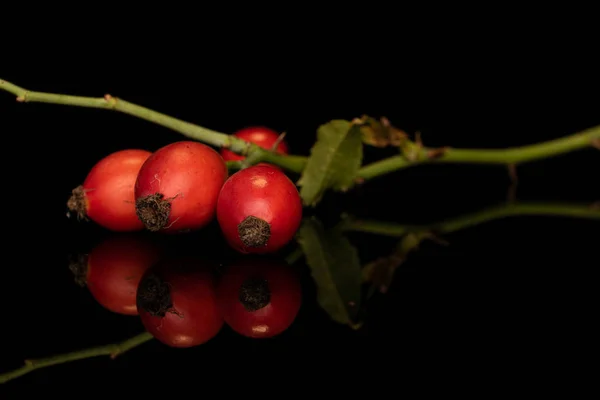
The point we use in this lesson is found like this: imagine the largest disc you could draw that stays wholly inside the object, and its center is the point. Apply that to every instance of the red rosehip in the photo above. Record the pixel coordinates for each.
(259, 135)
(178, 186)
(113, 269)
(259, 209)
(107, 193)
(177, 302)
(259, 298)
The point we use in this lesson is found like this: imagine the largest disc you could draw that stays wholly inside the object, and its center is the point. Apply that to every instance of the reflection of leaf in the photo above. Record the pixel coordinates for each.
(381, 133)
(333, 162)
(335, 267)
(380, 272)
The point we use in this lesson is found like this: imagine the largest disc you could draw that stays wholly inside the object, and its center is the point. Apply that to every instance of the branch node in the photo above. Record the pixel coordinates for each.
(21, 98)
(596, 143)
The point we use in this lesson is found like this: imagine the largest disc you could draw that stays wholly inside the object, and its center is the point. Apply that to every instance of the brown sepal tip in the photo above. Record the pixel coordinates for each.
(254, 231)
(255, 293)
(77, 203)
(154, 211)
(154, 295)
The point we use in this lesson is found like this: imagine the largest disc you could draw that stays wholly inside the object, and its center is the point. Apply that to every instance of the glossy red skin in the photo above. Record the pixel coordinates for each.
(115, 267)
(271, 320)
(189, 173)
(197, 317)
(109, 190)
(267, 193)
(259, 135)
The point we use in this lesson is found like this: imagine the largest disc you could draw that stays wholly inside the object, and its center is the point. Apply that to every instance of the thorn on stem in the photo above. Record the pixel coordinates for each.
(512, 173)
(596, 143)
(278, 141)
(21, 98)
(436, 153)
(595, 206)
(110, 100)
(514, 180)
(418, 140)
(436, 238)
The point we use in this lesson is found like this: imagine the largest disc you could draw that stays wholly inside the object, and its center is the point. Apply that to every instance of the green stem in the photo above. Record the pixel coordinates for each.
(196, 132)
(469, 220)
(293, 163)
(112, 350)
(511, 156)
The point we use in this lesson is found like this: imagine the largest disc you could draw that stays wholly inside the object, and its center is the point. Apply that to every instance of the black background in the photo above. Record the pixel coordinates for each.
(516, 290)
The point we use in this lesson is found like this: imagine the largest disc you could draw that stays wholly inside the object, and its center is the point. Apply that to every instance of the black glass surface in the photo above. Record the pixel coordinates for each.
(515, 288)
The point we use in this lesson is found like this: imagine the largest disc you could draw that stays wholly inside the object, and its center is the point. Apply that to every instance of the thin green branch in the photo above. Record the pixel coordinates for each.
(469, 220)
(511, 156)
(196, 132)
(418, 155)
(112, 350)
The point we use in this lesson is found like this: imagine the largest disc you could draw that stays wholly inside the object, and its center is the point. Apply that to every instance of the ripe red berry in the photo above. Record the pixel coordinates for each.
(177, 303)
(259, 298)
(259, 135)
(107, 193)
(113, 269)
(178, 186)
(259, 209)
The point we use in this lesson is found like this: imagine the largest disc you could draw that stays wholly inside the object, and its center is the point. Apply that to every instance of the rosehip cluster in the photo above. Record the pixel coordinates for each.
(184, 300)
(179, 188)
(183, 186)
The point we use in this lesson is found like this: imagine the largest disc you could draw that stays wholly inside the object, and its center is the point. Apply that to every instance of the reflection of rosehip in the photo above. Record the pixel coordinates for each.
(259, 298)
(113, 269)
(107, 193)
(177, 187)
(259, 135)
(259, 210)
(177, 303)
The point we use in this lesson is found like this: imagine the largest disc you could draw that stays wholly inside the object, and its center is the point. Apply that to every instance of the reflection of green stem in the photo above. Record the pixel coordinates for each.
(112, 350)
(295, 163)
(469, 220)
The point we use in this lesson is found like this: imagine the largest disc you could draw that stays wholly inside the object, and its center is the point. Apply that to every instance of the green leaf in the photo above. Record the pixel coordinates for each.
(334, 161)
(335, 268)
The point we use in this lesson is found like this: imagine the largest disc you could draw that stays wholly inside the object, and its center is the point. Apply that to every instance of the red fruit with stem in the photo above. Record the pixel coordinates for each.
(259, 210)
(107, 193)
(178, 186)
(177, 303)
(113, 269)
(259, 135)
(259, 298)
